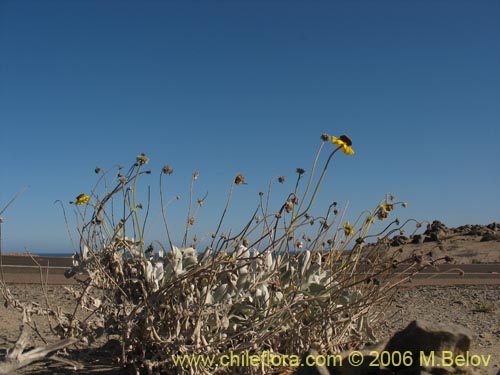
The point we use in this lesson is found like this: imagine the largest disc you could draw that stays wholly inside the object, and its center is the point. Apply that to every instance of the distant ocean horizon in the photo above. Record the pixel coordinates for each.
(41, 254)
(55, 254)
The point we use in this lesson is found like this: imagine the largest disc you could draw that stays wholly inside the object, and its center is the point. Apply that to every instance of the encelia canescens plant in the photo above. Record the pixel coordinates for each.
(287, 280)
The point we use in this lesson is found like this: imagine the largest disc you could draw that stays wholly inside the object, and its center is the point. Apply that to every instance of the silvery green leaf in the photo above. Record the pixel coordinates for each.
(176, 253)
(209, 299)
(304, 260)
(241, 310)
(242, 282)
(241, 253)
(189, 258)
(316, 288)
(149, 271)
(205, 256)
(262, 295)
(220, 292)
(158, 271)
(343, 301)
(278, 296)
(269, 260)
(85, 253)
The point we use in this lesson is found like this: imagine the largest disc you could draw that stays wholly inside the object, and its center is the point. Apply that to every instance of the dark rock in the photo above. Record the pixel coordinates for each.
(398, 241)
(494, 226)
(418, 239)
(423, 337)
(490, 237)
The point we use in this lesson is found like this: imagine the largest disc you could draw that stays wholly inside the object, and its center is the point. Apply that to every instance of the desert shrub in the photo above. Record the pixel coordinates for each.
(283, 282)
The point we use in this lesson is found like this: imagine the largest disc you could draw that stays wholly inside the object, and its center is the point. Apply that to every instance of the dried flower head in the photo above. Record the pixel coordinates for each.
(142, 159)
(325, 137)
(281, 179)
(97, 169)
(404, 204)
(289, 206)
(167, 169)
(300, 171)
(382, 214)
(195, 175)
(239, 179)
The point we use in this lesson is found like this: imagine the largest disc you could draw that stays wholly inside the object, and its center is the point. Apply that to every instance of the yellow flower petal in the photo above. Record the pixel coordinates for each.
(82, 199)
(348, 229)
(346, 148)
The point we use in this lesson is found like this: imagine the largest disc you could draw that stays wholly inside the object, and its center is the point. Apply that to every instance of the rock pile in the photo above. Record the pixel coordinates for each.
(421, 348)
(437, 231)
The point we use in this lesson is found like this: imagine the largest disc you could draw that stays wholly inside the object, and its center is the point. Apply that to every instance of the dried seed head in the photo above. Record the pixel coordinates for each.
(167, 169)
(139, 206)
(142, 159)
(191, 220)
(289, 206)
(300, 171)
(195, 175)
(97, 169)
(325, 137)
(148, 171)
(404, 204)
(299, 244)
(239, 179)
(281, 179)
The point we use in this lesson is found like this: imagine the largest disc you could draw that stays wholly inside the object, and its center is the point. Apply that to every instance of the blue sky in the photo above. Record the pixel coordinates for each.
(227, 87)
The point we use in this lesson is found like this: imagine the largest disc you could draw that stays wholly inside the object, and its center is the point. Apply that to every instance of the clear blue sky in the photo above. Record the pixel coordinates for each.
(223, 87)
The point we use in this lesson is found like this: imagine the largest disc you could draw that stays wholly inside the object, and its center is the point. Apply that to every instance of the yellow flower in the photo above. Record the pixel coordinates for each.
(345, 143)
(82, 199)
(387, 207)
(348, 229)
